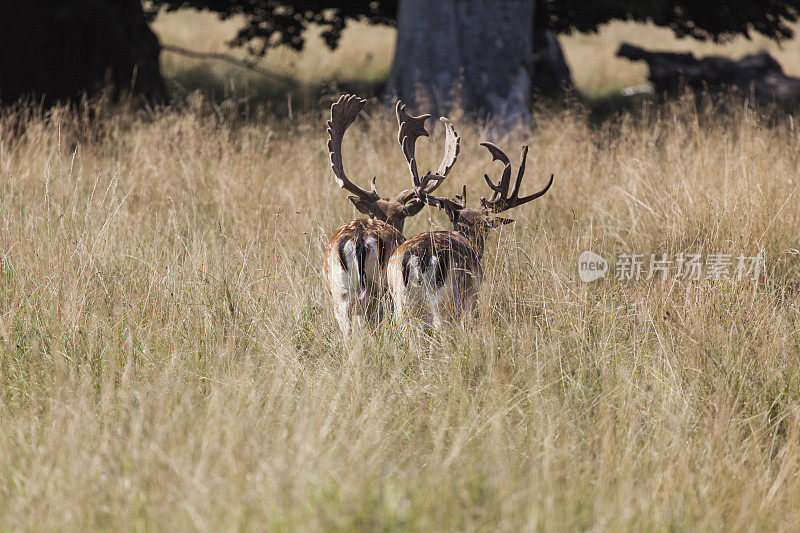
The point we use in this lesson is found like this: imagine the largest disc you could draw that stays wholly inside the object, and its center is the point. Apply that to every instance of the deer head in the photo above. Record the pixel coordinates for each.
(394, 209)
(475, 223)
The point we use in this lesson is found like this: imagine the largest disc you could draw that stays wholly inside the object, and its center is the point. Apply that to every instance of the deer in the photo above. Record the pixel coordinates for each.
(437, 275)
(354, 261)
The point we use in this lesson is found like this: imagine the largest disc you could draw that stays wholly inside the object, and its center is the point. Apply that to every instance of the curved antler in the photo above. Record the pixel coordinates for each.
(410, 128)
(343, 112)
(501, 199)
(451, 149)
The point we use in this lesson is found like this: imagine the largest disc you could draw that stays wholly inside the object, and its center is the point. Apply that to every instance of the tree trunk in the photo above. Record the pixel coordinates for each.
(475, 53)
(552, 72)
(57, 50)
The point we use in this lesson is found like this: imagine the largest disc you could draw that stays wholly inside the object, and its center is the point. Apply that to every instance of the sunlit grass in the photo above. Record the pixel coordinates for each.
(169, 359)
(362, 58)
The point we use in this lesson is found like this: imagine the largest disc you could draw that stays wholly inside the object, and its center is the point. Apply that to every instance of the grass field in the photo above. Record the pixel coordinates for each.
(169, 359)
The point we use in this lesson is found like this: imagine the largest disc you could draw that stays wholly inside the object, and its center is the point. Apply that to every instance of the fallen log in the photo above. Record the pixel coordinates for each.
(757, 74)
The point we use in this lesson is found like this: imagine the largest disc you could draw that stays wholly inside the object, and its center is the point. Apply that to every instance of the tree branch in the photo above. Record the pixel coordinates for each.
(248, 65)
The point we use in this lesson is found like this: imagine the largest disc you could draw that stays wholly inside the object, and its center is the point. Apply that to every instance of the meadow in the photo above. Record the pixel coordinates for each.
(169, 359)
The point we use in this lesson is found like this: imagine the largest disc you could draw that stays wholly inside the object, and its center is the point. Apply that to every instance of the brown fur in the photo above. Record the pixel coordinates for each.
(366, 245)
(451, 272)
(360, 292)
(359, 230)
(452, 250)
(389, 210)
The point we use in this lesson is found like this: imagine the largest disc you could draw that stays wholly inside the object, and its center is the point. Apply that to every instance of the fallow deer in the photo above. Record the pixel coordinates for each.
(438, 274)
(354, 263)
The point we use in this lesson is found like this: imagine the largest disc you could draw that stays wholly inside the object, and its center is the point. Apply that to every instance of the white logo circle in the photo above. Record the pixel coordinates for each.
(591, 266)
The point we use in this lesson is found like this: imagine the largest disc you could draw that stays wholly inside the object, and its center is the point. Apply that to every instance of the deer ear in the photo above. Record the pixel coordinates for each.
(496, 222)
(362, 205)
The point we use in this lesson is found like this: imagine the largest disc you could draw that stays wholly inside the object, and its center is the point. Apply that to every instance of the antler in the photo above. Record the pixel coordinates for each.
(451, 149)
(411, 128)
(441, 202)
(501, 199)
(343, 112)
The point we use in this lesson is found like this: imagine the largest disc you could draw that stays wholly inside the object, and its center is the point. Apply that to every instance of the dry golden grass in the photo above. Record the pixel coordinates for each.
(168, 358)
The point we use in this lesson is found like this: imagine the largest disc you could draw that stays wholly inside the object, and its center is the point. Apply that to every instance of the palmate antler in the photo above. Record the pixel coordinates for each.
(345, 110)
(451, 147)
(410, 128)
(343, 113)
(501, 199)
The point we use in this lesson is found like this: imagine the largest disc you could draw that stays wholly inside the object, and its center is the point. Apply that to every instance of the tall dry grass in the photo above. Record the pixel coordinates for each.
(168, 358)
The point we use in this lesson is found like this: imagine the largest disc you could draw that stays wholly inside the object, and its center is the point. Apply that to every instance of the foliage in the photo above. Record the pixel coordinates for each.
(272, 23)
(59, 50)
(709, 19)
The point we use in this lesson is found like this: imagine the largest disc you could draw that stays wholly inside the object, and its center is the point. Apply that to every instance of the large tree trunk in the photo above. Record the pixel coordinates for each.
(552, 72)
(56, 50)
(552, 78)
(477, 53)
